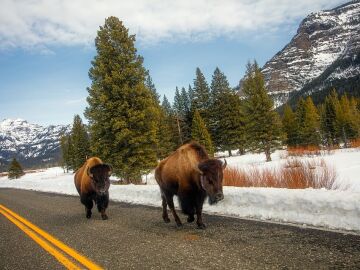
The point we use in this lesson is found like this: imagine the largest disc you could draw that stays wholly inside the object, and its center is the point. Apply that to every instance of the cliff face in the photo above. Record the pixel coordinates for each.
(325, 49)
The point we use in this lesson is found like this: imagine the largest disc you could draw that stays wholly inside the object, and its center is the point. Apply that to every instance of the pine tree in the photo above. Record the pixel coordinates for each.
(328, 119)
(168, 136)
(65, 156)
(151, 86)
(200, 134)
(309, 124)
(201, 99)
(347, 120)
(80, 143)
(15, 170)
(122, 114)
(227, 126)
(263, 124)
(182, 114)
(290, 126)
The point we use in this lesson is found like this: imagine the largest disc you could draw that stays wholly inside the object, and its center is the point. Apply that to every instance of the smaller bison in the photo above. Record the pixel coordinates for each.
(92, 182)
(190, 174)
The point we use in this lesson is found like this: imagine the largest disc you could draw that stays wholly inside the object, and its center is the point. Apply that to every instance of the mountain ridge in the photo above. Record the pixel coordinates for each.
(32, 145)
(322, 39)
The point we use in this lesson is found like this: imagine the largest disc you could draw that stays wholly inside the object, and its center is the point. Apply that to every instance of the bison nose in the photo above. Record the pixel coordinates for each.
(219, 196)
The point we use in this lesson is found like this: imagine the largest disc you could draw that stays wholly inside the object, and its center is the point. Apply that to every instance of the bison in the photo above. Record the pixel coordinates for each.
(190, 174)
(92, 183)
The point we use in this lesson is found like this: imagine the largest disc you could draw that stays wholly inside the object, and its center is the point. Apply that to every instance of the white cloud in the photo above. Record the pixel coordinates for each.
(40, 23)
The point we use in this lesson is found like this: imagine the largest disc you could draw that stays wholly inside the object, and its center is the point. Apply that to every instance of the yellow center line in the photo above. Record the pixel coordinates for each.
(68, 250)
(59, 256)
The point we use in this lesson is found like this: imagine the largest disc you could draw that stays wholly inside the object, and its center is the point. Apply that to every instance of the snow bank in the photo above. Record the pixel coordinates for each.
(331, 209)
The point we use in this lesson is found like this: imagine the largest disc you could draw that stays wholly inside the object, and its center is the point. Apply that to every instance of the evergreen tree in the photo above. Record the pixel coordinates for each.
(151, 86)
(65, 155)
(122, 113)
(226, 117)
(309, 124)
(201, 100)
(200, 134)
(347, 120)
(328, 119)
(290, 126)
(182, 114)
(80, 143)
(15, 170)
(190, 94)
(168, 136)
(263, 124)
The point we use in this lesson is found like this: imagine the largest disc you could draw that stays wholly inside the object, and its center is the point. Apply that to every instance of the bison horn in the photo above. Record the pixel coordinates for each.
(199, 171)
(224, 164)
(110, 169)
(89, 174)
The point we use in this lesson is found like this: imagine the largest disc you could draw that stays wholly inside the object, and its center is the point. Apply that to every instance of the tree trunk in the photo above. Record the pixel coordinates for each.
(268, 154)
(230, 154)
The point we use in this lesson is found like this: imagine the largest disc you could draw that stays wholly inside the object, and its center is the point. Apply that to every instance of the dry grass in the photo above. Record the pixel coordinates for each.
(294, 174)
(310, 150)
(355, 143)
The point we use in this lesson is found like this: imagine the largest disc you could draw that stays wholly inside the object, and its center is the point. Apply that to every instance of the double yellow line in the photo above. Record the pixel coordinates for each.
(48, 242)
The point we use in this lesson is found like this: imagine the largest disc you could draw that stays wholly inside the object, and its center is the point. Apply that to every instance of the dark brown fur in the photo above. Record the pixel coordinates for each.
(92, 183)
(191, 175)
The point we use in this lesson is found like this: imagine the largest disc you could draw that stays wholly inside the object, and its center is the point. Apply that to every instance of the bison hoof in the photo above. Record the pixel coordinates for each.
(88, 215)
(104, 217)
(201, 226)
(166, 219)
(179, 224)
(190, 219)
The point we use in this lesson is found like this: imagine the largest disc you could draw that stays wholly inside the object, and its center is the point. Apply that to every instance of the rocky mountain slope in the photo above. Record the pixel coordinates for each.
(31, 144)
(324, 53)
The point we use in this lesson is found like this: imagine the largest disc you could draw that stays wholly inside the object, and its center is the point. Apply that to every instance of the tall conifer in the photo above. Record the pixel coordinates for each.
(263, 124)
(122, 114)
(200, 134)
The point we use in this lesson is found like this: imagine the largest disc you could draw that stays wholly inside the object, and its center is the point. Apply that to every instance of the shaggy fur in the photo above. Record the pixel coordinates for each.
(92, 183)
(191, 175)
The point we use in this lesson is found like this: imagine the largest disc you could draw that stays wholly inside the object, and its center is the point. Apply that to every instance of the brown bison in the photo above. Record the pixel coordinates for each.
(190, 174)
(92, 182)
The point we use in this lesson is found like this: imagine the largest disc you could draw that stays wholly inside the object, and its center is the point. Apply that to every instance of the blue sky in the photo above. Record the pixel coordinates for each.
(45, 54)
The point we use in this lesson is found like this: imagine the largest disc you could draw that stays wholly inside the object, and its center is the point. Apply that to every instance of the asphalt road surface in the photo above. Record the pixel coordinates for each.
(135, 237)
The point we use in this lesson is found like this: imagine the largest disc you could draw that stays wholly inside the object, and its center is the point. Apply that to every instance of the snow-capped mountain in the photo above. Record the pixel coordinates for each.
(31, 144)
(325, 50)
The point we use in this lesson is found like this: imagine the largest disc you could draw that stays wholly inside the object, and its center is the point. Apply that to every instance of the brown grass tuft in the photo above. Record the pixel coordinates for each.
(355, 143)
(294, 174)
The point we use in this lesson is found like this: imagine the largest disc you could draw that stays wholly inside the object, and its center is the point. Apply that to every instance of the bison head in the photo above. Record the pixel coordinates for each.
(99, 175)
(211, 176)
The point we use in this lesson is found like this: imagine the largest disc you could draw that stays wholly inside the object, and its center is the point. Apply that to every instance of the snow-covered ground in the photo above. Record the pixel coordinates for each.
(334, 209)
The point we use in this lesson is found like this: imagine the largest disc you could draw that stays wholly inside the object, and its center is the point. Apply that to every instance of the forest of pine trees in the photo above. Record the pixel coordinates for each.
(336, 121)
(132, 127)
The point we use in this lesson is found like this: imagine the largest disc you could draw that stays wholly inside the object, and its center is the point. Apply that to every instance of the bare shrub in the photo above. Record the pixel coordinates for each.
(355, 143)
(294, 174)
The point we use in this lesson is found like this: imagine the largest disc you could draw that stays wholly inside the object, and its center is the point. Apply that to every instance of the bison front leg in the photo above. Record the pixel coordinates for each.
(102, 203)
(198, 207)
(170, 202)
(88, 202)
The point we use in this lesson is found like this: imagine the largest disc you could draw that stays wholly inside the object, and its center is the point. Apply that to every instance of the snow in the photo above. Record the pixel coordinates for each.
(331, 209)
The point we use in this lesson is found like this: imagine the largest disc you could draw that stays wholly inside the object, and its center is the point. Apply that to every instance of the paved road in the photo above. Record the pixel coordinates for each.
(135, 237)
